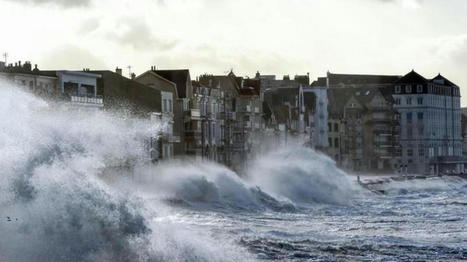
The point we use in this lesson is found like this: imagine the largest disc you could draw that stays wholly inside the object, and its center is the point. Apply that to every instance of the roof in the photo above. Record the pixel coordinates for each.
(353, 79)
(321, 82)
(232, 83)
(120, 91)
(442, 79)
(412, 78)
(338, 97)
(180, 77)
(253, 83)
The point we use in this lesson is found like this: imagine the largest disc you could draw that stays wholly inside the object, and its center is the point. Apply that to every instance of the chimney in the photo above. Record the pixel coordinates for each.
(19, 63)
(133, 76)
(118, 70)
(27, 66)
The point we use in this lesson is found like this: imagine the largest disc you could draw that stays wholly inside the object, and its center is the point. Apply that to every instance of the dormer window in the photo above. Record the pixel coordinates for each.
(419, 88)
(408, 89)
(398, 89)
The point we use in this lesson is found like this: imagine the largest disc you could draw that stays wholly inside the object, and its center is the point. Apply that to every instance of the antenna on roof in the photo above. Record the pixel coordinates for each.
(5, 57)
(129, 70)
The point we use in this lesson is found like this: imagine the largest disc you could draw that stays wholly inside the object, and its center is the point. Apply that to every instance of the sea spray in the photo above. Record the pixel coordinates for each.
(301, 175)
(54, 204)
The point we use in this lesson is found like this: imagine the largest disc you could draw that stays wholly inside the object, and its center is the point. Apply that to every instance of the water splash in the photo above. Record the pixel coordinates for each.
(56, 206)
(303, 176)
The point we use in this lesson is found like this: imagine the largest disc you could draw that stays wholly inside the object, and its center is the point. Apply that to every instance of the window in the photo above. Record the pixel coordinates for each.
(398, 89)
(409, 101)
(420, 116)
(330, 142)
(419, 88)
(336, 142)
(409, 132)
(398, 101)
(409, 118)
(408, 89)
(164, 105)
(336, 127)
(170, 105)
(421, 152)
(409, 152)
(329, 127)
(420, 100)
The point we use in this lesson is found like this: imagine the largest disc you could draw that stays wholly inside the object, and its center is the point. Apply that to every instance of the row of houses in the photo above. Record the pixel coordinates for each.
(211, 117)
(366, 123)
(387, 123)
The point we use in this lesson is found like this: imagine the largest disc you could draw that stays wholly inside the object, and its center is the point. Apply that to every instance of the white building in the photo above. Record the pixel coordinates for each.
(430, 117)
(80, 88)
(314, 114)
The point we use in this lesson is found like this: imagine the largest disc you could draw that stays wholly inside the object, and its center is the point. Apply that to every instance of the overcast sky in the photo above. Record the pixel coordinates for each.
(213, 36)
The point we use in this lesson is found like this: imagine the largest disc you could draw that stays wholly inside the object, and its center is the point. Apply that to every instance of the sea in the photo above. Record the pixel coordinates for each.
(77, 185)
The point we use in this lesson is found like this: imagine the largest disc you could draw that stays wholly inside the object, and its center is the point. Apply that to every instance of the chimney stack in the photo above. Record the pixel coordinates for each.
(133, 76)
(118, 70)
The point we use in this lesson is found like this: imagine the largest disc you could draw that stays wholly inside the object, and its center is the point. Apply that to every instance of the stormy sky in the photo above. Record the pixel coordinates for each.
(213, 36)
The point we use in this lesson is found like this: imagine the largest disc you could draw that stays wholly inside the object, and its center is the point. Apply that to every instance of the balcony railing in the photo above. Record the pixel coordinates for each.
(193, 113)
(87, 100)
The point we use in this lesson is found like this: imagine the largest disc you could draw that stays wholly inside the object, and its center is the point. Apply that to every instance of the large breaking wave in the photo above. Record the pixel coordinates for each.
(77, 186)
(54, 204)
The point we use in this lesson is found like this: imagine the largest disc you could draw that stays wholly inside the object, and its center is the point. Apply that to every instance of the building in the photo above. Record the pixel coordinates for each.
(240, 115)
(206, 138)
(363, 126)
(74, 89)
(131, 97)
(268, 82)
(313, 114)
(41, 83)
(80, 88)
(464, 131)
(430, 114)
(173, 105)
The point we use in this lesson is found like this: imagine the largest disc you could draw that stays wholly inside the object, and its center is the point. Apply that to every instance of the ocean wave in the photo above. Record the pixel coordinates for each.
(302, 176)
(58, 206)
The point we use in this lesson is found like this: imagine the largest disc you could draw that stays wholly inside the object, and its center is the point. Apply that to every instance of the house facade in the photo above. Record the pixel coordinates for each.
(363, 125)
(430, 116)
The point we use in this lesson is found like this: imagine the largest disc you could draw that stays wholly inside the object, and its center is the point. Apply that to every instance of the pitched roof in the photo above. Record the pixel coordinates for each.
(441, 79)
(253, 83)
(179, 77)
(233, 83)
(353, 79)
(412, 78)
(338, 97)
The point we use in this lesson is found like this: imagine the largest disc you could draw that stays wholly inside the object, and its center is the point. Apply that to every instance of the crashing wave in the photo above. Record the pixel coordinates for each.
(302, 176)
(56, 207)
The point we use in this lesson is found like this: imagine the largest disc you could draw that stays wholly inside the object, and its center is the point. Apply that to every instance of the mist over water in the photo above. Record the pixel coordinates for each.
(78, 186)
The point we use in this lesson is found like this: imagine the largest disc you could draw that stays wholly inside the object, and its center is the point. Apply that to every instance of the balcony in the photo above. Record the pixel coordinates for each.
(94, 101)
(193, 114)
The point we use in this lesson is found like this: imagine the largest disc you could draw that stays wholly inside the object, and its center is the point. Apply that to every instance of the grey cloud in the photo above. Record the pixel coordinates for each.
(138, 35)
(60, 3)
(89, 26)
